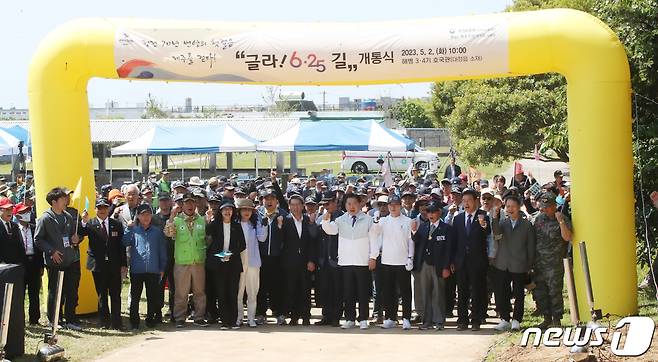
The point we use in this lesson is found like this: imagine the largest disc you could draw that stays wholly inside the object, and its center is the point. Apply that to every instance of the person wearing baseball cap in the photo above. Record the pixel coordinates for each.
(553, 231)
(55, 235)
(393, 233)
(311, 207)
(330, 286)
(408, 199)
(188, 230)
(163, 184)
(11, 245)
(148, 261)
(107, 260)
(33, 260)
(454, 207)
(159, 220)
(178, 188)
(433, 243)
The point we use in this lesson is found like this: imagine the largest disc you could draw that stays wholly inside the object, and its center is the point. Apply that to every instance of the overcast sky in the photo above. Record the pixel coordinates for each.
(24, 23)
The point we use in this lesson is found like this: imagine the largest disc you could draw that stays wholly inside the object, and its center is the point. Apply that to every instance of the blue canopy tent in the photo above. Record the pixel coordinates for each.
(178, 140)
(185, 140)
(20, 133)
(368, 135)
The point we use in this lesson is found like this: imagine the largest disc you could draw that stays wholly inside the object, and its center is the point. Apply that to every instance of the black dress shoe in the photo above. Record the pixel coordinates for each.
(462, 327)
(293, 322)
(335, 323)
(306, 322)
(322, 322)
(475, 327)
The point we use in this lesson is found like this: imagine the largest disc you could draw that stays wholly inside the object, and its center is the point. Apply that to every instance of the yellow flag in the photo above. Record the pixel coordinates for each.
(78, 190)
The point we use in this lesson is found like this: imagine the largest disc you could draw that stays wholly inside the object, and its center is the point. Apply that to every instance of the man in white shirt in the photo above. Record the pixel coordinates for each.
(357, 252)
(397, 252)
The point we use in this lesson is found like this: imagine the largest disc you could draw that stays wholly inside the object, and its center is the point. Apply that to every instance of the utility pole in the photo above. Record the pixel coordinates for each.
(324, 107)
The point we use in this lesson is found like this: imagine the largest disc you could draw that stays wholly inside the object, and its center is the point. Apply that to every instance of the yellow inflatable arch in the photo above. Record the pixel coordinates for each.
(569, 42)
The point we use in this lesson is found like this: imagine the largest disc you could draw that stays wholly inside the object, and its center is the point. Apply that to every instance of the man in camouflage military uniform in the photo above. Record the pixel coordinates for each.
(553, 231)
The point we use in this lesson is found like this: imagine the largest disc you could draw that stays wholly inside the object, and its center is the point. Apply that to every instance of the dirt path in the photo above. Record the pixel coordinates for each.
(317, 344)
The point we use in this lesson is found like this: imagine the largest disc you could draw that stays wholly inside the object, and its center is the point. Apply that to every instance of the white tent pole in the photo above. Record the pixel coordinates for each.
(110, 166)
(182, 168)
(132, 167)
(200, 164)
(256, 162)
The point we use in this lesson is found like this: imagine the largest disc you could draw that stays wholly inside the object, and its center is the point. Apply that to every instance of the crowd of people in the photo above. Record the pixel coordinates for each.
(437, 247)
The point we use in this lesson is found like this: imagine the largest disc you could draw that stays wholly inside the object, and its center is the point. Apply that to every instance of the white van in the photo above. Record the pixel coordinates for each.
(361, 162)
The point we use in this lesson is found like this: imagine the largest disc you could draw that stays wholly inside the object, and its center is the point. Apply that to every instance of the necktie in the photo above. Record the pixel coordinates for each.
(353, 220)
(25, 239)
(104, 229)
(432, 228)
(8, 228)
(468, 224)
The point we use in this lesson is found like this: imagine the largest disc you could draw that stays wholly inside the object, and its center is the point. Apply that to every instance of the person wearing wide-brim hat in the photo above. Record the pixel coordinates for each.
(223, 260)
(254, 232)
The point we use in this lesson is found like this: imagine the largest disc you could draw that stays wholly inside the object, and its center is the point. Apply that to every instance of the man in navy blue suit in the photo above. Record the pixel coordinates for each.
(471, 228)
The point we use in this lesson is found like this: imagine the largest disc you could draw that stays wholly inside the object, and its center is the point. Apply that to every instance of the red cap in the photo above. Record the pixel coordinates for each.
(21, 207)
(6, 204)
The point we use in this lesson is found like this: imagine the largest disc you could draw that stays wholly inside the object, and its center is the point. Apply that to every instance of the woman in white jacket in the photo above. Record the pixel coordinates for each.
(254, 232)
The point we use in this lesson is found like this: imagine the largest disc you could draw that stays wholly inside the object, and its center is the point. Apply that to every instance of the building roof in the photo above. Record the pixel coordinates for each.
(126, 130)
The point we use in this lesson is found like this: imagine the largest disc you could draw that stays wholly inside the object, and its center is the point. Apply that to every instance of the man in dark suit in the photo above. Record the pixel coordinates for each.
(471, 228)
(452, 170)
(330, 284)
(105, 244)
(433, 243)
(12, 250)
(33, 260)
(298, 259)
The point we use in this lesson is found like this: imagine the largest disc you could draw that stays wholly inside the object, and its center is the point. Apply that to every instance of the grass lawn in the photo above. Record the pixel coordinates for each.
(92, 341)
(507, 345)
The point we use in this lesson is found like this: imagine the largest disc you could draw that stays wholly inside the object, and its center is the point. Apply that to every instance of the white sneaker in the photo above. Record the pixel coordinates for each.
(406, 324)
(388, 324)
(252, 324)
(503, 326)
(363, 324)
(516, 326)
(348, 325)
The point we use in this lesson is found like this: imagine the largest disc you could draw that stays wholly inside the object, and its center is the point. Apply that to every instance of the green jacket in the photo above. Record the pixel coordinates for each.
(190, 248)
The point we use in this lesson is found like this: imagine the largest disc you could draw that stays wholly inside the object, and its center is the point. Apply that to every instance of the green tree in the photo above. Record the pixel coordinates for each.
(493, 121)
(636, 25)
(501, 108)
(274, 103)
(154, 108)
(412, 113)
